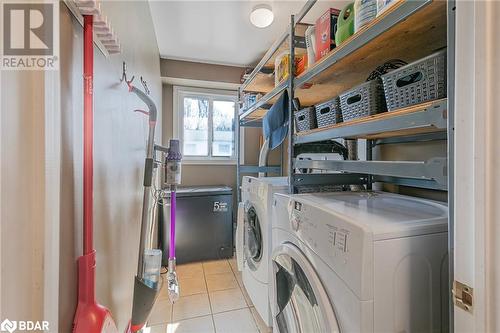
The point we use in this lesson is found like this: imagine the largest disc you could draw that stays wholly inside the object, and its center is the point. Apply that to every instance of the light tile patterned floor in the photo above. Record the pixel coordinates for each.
(213, 300)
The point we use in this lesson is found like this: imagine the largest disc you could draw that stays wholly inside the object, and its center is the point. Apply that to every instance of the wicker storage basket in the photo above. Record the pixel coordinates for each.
(328, 113)
(305, 119)
(421, 81)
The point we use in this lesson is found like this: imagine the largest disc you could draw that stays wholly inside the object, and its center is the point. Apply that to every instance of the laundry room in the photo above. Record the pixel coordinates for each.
(223, 166)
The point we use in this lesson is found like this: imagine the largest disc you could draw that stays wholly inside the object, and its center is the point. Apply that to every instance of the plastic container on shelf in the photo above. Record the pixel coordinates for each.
(364, 12)
(345, 24)
(310, 37)
(383, 5)
(364, 100)
(421, 81)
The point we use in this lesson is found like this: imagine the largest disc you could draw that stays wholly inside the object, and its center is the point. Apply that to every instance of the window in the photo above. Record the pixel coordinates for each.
(204, 121)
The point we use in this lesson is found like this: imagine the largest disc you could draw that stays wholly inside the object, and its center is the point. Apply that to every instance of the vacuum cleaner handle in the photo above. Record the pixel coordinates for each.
(153, 113)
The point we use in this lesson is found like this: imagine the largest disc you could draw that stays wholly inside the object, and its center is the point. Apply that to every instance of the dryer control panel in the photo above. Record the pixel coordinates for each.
(344, 246)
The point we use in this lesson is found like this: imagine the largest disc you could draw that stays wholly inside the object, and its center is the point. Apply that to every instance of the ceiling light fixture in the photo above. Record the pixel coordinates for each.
(262, 16)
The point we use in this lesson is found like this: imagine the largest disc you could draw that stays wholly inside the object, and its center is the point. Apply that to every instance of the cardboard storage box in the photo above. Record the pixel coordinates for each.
(326, 27)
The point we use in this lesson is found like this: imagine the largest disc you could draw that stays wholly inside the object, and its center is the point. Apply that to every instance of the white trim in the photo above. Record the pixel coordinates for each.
(207, 62)
(200, 83)
(52, 198)
(477, 190)
(178, 93)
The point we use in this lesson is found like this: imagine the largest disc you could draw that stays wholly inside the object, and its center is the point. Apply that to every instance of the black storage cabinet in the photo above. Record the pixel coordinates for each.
(204, 224)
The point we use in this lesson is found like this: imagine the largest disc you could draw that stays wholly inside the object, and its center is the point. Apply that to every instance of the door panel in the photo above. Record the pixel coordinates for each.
(300, 302)
(253, 237)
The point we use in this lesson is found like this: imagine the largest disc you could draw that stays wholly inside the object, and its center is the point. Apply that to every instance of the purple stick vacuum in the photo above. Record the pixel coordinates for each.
(173, 178)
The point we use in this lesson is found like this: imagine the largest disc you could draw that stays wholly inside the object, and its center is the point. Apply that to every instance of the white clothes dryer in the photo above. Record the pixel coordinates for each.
(254, 237)
(359, 262)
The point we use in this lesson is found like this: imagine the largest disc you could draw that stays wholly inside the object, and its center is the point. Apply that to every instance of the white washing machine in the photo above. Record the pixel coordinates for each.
(359, 262)
(254, 248)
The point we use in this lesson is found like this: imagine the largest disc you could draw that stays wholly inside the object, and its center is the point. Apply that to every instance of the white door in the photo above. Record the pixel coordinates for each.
(477, 163)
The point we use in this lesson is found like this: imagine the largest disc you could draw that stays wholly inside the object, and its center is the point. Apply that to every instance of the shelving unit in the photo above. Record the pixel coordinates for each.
(409, 30)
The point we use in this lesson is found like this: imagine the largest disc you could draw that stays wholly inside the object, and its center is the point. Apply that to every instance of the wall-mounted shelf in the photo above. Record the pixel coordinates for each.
(422, 118)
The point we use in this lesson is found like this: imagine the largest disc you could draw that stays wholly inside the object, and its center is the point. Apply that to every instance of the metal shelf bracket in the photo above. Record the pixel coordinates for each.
(433, 169)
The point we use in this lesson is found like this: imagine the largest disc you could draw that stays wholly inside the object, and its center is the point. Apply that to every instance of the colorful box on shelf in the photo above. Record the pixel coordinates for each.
(282, 63)
(325, 29)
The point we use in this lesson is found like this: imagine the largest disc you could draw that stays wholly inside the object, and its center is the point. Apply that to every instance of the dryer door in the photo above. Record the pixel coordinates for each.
(299, 302)
(253, 237)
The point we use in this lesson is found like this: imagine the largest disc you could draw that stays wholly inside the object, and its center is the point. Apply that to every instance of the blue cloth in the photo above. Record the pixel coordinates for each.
(275, 122)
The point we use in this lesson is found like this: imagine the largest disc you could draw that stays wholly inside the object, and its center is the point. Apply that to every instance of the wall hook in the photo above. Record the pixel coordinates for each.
(145, 85)
(124, 76)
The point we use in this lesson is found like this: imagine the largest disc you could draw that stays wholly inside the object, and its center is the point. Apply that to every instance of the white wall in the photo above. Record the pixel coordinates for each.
(26, 213)
(41, 173)
(119, 152)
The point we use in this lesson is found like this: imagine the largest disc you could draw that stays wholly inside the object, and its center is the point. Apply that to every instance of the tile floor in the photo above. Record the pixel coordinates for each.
(213, 300)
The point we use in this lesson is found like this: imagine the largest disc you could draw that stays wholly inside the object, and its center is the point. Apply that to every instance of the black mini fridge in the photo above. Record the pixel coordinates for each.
(204, 225)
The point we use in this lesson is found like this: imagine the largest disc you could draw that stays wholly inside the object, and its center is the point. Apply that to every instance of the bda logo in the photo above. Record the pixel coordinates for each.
(30, 32)
(8, 326)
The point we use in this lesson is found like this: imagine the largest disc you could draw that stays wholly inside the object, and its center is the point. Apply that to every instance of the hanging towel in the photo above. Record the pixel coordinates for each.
(275, 122)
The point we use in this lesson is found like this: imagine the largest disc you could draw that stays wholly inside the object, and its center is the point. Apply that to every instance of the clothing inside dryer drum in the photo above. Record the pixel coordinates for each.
(254, 235)
(298, 309)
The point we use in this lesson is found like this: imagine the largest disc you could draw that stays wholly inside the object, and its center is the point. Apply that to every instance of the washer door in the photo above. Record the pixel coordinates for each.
(253, 238)
(300, 304)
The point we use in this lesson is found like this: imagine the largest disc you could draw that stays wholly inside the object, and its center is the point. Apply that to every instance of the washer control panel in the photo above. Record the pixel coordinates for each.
(340, 240)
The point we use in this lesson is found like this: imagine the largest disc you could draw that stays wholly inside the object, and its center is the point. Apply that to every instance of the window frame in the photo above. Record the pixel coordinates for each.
(179, 93)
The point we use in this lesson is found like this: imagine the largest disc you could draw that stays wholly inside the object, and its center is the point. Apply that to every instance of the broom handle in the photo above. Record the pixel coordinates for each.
(173, 201)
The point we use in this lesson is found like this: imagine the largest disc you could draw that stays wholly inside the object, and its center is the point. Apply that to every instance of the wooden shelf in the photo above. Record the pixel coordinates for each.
(422, 31)
(415, 37)
(417, 119)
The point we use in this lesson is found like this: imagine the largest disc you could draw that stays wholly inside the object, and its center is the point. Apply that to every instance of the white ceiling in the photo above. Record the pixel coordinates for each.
(220, 32)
